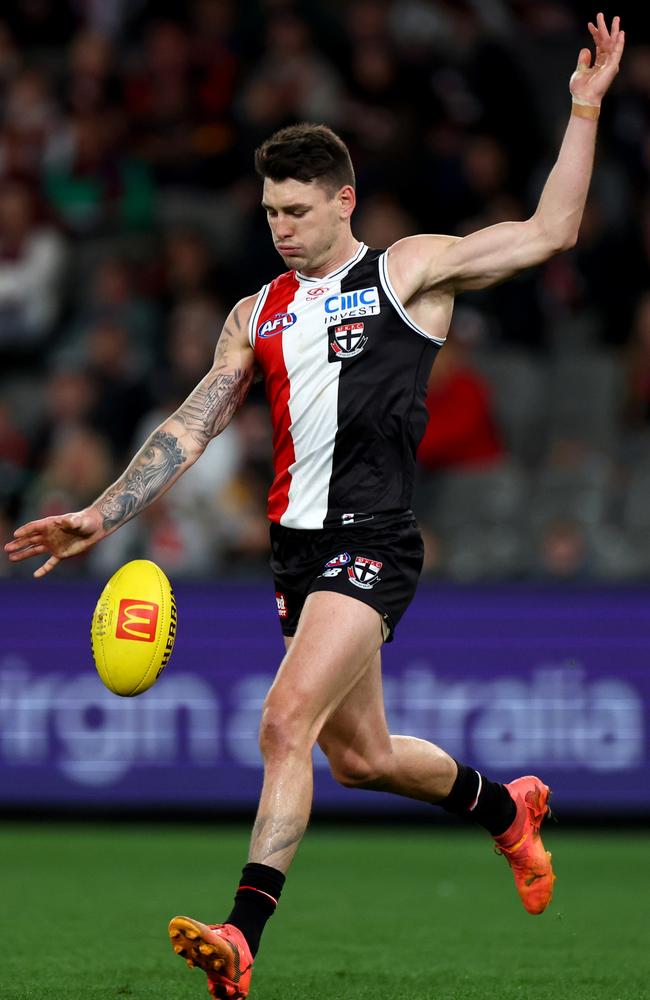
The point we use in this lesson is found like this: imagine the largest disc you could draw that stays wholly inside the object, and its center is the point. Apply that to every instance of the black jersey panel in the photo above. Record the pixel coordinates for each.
(382, 416)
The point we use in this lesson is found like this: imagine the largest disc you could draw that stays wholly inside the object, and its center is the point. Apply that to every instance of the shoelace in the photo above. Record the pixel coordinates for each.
(509, 852)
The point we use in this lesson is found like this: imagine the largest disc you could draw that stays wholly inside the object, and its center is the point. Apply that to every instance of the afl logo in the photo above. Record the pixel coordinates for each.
(279, 323)
(342, 559)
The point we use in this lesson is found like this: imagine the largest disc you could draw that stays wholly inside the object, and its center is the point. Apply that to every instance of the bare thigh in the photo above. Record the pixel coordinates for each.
(337, 639)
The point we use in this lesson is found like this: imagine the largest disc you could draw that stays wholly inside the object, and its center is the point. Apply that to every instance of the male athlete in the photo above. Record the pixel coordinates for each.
(345, 340)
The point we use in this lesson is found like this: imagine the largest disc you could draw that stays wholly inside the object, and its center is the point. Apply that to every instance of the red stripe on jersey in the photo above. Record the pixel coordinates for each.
(270, 356)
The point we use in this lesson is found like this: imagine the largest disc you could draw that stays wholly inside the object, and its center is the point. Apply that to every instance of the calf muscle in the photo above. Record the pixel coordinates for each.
(275, 839)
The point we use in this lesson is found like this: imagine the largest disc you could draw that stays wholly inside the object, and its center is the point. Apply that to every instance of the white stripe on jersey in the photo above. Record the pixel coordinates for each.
(395, 300)
(313, 407)
(257, 308)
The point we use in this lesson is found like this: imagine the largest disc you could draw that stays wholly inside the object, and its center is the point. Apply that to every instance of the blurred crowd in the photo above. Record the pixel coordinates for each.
(130, 223)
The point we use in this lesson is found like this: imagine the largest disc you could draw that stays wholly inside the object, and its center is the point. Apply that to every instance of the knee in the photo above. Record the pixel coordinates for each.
(357, 770)
(283, 731)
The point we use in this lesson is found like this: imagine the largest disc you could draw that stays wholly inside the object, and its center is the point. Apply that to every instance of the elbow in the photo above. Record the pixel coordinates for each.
(553, 239)
(560, 240)
(559, 243)
(568, 242)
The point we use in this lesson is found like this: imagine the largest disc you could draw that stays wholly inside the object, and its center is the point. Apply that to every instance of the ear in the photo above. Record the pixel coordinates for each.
(347, 200)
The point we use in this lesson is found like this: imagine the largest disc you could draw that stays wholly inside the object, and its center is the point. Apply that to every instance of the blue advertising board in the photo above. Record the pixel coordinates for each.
(512, 680)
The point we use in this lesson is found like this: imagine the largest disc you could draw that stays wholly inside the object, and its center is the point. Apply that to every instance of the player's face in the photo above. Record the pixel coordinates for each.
(307, 220)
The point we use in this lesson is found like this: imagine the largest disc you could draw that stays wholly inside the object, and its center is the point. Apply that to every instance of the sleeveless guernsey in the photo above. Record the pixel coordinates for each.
(346, 373)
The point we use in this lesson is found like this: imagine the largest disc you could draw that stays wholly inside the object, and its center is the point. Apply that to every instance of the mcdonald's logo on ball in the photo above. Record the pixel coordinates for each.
(137, 620)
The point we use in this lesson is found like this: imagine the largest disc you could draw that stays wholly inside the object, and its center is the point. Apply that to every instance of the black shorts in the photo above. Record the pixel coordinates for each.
(377, 562)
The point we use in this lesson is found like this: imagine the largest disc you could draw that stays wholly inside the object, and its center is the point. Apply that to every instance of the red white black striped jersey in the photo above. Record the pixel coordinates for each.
(346, 372)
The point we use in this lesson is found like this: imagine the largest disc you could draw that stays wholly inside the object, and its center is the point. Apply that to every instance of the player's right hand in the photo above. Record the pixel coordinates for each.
(62, 536)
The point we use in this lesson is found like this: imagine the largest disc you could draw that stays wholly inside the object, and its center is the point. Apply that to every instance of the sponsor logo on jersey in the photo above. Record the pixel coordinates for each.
(136, 620)
(347, 341)
(364, 572)
(334, 571)
(342, 559)
(315, 293)
(277, 324)
(355, 518)
(348, 305)
(281, 601)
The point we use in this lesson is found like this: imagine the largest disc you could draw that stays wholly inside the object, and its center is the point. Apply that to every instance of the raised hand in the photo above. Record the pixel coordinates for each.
(63, 536)
(589, 84)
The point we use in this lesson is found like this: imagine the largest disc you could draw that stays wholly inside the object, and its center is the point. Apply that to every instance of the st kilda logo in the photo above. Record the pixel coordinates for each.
(364, 572)
(347, 341)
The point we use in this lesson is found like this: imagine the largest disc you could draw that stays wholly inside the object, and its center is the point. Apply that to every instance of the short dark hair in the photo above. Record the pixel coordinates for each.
(306, 152)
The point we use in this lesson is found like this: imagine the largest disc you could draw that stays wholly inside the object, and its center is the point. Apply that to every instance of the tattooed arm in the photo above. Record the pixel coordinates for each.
(179, 441)
(167, 454)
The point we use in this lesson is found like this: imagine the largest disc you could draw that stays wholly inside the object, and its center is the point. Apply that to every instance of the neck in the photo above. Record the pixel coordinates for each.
(337, 256)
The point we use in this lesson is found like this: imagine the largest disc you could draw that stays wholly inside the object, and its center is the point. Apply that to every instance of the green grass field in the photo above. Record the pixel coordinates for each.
(367, 914)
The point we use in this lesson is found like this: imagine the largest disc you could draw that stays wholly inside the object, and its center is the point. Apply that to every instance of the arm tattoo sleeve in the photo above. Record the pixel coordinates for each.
(150, 472)
(202, 416)
(208, 409)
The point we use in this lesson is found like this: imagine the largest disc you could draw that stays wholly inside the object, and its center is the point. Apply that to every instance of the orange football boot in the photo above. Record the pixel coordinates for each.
(522, 843)
(220, 950)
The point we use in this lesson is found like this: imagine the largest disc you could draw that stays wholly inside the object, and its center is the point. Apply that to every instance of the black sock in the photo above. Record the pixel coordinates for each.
(255, 901)
(486, 802)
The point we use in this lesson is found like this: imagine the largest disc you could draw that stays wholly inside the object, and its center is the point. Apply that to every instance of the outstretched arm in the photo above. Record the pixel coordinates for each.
(421, 263)
(181, 439)
(172, 448)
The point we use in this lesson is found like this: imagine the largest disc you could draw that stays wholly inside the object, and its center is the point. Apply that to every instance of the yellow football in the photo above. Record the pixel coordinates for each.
(134, 627)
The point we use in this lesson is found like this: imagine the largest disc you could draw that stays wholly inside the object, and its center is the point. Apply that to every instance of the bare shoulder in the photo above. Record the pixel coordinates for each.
(412, 261)
(412, 247)
(240, 314)
(233, 347)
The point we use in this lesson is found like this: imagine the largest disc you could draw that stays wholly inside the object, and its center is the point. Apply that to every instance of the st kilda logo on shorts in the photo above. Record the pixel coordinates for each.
(364, 572)
(346, 341)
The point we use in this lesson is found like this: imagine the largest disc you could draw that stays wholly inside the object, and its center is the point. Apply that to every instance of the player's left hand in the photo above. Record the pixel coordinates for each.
(589, 84)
